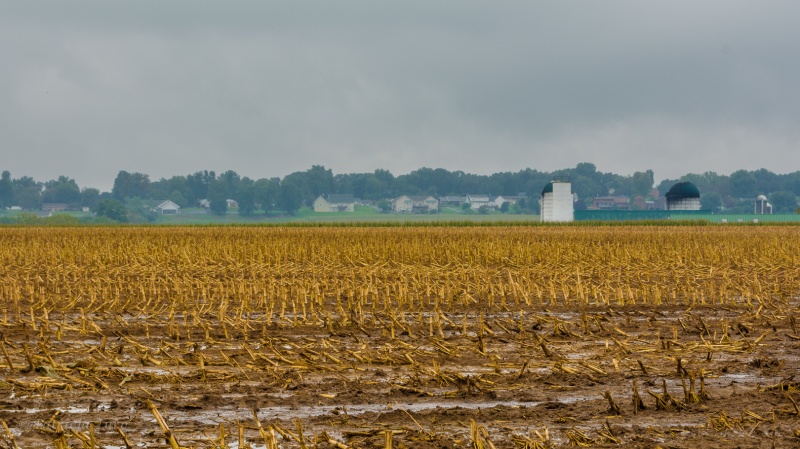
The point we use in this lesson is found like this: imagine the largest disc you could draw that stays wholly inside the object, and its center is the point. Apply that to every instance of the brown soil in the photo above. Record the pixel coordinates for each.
(523, 379)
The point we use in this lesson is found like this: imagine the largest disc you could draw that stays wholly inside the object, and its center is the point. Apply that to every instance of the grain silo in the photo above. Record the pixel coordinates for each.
(557, 202)
(762, 206)
(683, 196)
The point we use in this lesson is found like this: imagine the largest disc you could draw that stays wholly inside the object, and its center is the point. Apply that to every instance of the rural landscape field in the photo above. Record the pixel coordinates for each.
(503, 336)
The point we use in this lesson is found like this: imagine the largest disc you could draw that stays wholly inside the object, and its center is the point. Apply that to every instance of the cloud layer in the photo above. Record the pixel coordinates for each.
(266, 88)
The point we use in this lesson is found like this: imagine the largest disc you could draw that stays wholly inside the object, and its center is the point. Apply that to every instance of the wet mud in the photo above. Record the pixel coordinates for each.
(633, 376)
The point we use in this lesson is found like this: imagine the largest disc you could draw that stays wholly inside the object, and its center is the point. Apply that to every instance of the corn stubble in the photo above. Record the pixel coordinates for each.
(121, 310)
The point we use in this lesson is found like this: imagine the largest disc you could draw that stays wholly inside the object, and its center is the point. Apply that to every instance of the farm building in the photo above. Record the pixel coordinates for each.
(335, 203)
(762, 206)
(476, 201)
(510, 199)
(683, 196)
(557, 202)
(450, 200)
(168, 208)
(611, 203)
(419, 204)
(54, 207)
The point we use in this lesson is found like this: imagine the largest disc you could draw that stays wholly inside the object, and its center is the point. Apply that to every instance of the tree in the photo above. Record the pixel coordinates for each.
(61, 190)
(25, 181)
(642, 183)
(711, 201)
(384, 206)
(427, 180)
(709, 182)
(178, 198)
(6, 190)
(130, 185)
(766, 181)
(175, 189)
(586, 169)
(267, 193)
(319, 180)
(29, 197)
(197, 184)
(291, 196)
(218, 197)
(666, 184)
(373, 187)
(743, 184)
(783, 202)
(139, 211)
(586, 187)
(231, 180)
(792, 182)
(112, 209)
(386, 179)
(246, 197)
(90, 197)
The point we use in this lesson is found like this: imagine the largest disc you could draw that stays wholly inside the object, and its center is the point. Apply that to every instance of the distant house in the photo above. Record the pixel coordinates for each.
(452, 200)
(611, 203)
(510, 199)
(403, 204)
(168, 208)
(54, 207)
(476, 201)
(406, 204)
(335, 203)
(206, 204)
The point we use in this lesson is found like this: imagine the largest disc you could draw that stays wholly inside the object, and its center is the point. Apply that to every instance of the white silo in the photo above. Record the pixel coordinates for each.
(557, 202)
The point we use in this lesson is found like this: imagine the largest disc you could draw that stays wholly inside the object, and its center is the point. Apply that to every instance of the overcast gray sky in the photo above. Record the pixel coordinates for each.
(88, 88)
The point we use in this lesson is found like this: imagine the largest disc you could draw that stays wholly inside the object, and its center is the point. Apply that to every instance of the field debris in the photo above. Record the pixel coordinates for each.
(446, 337)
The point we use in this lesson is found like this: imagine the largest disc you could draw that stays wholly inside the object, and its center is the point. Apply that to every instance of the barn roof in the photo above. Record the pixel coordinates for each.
(683, 190)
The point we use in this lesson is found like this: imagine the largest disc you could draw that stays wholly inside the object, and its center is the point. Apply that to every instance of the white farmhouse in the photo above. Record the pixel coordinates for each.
(168, 208)
(406, 204)
(335, 203)
(510, 199)
(476, 201)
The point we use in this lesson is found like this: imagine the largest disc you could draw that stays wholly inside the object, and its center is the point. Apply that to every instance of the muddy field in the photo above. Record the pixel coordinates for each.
(489, 358)
(463, 379)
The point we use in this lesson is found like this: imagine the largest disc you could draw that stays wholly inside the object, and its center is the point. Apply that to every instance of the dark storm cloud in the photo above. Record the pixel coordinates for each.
(266, 88)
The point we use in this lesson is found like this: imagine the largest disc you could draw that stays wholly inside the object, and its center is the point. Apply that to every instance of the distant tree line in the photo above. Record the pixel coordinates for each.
(131, 191)
(735, 193)
(29, 194)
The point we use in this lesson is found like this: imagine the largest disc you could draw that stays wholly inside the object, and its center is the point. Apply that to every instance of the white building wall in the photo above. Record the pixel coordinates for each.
(546, 208)
(684, 204)
(321, 205)
(558, 205)
(403, 204)
(432, 203)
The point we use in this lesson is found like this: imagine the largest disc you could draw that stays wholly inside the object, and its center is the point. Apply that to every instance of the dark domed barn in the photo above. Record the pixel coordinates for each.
(683, 196)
